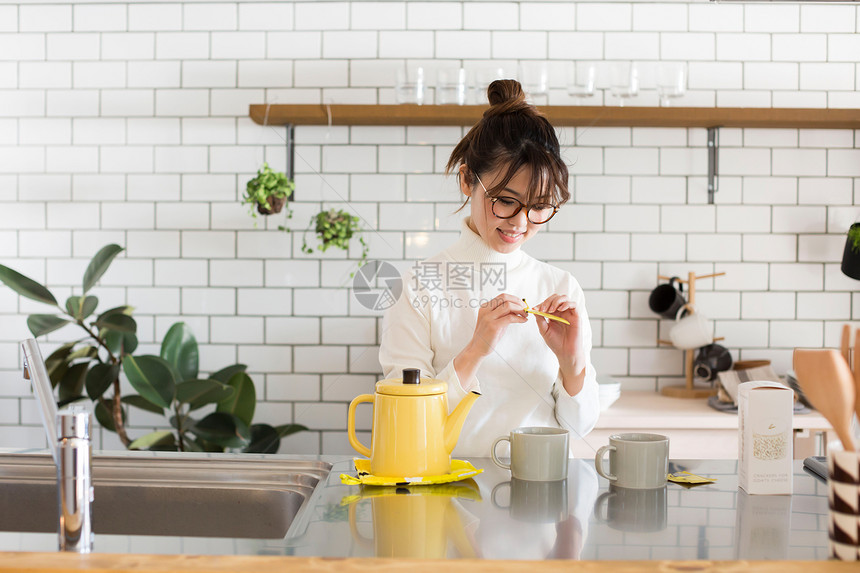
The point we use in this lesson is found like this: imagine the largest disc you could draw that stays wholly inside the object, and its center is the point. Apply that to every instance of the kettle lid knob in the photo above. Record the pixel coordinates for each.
(411, 375)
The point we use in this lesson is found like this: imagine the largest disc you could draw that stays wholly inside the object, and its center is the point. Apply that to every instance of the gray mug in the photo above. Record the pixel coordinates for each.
(636, 460)
(537, 453)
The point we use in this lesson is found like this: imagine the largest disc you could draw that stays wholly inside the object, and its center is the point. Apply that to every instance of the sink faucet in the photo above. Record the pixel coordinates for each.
(68, 435)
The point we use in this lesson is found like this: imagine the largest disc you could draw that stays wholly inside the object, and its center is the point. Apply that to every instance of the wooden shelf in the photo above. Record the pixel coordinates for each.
(560, 116)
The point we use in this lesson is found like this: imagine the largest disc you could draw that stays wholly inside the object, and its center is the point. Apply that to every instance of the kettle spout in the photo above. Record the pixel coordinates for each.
(456, 418)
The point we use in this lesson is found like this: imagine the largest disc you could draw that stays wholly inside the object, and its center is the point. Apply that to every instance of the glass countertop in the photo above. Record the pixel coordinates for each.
(494, 517)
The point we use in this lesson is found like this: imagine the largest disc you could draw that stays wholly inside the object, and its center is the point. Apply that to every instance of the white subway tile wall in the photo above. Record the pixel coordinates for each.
(128, 122)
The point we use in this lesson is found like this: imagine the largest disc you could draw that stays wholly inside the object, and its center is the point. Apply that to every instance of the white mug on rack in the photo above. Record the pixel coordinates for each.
(691, 331)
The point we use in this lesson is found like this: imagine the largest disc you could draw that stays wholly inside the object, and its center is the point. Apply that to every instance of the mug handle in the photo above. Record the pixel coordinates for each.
(680, 286)
(493, 453)
(602, 502)
(689, 307)
(598, 462)
(493, 495)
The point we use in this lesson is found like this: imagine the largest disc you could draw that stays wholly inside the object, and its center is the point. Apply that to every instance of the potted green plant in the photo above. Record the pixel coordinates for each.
(336, 228)
(851, 254)
(269, 191)
(168, 384)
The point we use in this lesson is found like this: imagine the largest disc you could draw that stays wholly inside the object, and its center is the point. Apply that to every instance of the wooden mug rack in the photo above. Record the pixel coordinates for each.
(687, 390)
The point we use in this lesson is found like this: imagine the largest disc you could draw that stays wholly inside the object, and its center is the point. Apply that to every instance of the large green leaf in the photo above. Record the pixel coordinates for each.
(63, 403)
(153, 440)
(125, 309)
(81, 307)
(225, 374)
(287, 429)
(104, 414)
(72, 383)
(198, 393)
(151, 377)
(99, 379)
(120, 342)
(243, 401)
(58, 362)
(264, 440)
(180, 349)
(223, 429)
(99, 265)
(40, 324)
(117, 323)
(26, 286)
(142, 403)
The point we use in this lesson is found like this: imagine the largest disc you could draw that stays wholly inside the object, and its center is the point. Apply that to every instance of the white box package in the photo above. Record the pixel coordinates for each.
(765, 438)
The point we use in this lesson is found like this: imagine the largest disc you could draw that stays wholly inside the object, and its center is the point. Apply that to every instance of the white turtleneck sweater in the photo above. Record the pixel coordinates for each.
(520, 385)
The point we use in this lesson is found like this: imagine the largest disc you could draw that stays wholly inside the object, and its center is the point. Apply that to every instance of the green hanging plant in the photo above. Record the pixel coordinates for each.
(269, 191)
(854, 237)
(336, 228)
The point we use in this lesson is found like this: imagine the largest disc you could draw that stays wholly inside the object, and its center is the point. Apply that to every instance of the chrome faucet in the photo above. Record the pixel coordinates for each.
(68, 435)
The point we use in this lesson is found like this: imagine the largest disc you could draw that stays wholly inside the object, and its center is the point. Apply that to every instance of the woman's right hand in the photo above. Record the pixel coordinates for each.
(494, 317)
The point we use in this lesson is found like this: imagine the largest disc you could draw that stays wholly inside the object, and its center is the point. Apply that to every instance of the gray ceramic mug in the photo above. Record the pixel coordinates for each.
(636, 461)
(537, 453)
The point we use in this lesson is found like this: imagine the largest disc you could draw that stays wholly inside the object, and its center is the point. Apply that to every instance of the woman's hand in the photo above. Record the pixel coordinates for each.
(494, 317)
(564, 340)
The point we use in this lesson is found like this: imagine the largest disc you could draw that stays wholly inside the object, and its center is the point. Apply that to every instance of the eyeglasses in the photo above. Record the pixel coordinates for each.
(508, 208)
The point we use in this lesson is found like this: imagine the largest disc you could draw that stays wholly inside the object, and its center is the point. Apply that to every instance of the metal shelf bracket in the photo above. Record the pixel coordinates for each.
(713, 162)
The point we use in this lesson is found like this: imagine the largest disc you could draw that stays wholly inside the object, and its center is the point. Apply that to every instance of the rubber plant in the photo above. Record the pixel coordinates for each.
(336, 228)
(269, 191)
(168, 384)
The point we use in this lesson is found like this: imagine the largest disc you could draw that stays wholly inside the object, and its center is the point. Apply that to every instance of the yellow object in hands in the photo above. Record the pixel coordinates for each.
(543, 314)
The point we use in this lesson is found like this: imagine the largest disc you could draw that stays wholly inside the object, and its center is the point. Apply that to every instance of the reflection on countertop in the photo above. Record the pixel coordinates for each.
(492, 516)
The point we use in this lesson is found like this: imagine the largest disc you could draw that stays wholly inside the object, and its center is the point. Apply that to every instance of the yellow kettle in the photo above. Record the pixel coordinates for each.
(412, 434)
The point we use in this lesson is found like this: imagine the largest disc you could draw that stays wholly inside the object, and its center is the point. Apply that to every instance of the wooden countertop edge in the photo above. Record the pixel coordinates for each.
(19, 562)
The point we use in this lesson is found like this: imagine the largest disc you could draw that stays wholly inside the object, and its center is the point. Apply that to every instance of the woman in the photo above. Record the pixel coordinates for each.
(462, 318)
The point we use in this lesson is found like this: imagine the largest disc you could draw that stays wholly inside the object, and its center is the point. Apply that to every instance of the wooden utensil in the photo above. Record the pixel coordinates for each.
(828, 384)
(857, 373)
(846, 343)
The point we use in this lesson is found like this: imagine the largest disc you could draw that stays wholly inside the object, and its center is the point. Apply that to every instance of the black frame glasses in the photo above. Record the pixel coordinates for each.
(520, 207)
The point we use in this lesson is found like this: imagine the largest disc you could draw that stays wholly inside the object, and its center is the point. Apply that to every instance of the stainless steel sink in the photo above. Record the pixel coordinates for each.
(189, 495)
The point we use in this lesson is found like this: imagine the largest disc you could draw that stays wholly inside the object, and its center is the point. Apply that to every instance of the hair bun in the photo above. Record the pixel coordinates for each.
(506, 96)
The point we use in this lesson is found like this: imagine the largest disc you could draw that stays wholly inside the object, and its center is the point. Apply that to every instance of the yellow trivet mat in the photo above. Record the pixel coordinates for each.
(688, 479)
(459, 470)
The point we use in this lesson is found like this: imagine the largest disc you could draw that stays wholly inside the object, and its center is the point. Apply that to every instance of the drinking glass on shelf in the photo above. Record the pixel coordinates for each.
(483, 78)
(451, 86)
(534, 77)
(623, 81)
(671, 81)
(410, 85)
(580, 79)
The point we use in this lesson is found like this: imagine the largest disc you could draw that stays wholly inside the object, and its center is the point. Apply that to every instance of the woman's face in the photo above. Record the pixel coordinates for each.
(502, 235)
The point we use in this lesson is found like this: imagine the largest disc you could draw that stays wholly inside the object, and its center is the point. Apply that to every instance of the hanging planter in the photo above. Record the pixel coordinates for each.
(851, 254)
(336, 228)
(269, 191)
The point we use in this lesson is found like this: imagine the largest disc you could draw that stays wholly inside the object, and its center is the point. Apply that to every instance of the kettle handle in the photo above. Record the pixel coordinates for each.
(350, 424)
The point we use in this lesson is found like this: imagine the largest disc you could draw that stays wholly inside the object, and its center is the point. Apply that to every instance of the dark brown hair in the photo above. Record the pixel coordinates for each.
(513, 133)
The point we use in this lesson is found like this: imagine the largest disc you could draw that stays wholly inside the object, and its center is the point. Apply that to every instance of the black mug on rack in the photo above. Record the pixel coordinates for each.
(712, 359)
(667, 299)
